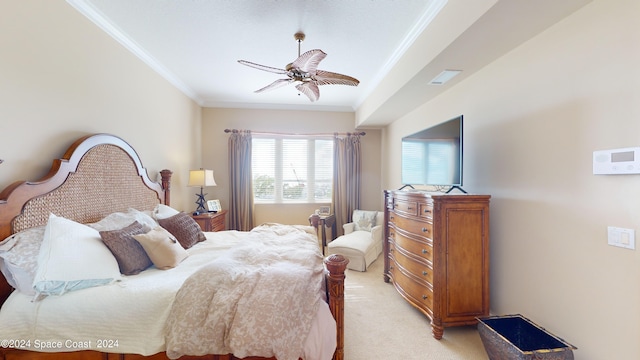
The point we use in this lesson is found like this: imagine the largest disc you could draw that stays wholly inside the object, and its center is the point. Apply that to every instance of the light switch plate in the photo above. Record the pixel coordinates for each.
(621, 237)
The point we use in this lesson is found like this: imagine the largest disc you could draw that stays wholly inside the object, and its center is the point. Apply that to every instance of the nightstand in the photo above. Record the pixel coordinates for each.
(211, 221)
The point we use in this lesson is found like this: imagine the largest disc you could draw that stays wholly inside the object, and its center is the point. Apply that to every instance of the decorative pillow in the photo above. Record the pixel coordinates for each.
(163, 248)
(131, 256)
(19, 258)
(184, 228)
(364, 220)
(119, 220)
(163, 211)
(72, 257)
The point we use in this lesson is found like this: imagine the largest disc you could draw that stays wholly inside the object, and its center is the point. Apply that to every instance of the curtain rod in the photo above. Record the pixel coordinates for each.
(361, 133)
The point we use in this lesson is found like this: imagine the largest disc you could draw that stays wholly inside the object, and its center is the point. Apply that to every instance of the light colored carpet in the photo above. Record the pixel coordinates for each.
(380, 324)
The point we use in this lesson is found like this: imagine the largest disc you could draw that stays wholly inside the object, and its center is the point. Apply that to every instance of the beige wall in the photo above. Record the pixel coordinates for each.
(62, 77)
(532, 120)
(215, 155)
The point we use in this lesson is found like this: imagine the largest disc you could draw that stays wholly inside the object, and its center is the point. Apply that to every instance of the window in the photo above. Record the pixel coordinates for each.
(292, 169)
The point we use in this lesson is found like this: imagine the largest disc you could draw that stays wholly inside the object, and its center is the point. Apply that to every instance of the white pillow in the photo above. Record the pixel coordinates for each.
(163, 212)
(119, 220)
(72, 257)
(364, 220)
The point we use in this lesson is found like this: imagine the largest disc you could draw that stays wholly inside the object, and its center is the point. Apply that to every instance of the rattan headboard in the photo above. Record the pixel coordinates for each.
(98, 175)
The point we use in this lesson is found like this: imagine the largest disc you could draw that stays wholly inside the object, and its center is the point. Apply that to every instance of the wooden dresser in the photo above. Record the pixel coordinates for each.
(436, 254)
(211, 221)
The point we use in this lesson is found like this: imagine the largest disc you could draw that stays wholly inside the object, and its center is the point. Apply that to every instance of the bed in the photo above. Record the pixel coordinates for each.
(101, 178)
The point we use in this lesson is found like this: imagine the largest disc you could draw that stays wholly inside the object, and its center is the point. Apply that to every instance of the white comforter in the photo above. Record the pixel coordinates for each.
(256, 300)
(129, 316)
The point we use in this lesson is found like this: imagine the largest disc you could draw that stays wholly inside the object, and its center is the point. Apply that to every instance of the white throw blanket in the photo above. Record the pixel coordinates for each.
(259, 299)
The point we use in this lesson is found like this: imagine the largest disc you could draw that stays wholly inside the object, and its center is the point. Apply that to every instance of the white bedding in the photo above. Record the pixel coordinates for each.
(128, 316)
(256, 300)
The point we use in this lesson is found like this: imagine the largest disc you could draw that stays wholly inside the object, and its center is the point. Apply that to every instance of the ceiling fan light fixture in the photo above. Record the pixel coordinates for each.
(444, 76)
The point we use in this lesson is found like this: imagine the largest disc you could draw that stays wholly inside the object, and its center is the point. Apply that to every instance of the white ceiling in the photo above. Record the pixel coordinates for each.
(195, 44)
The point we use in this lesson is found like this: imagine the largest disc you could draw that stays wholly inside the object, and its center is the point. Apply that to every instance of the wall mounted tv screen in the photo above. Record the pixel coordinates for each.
(434, 156)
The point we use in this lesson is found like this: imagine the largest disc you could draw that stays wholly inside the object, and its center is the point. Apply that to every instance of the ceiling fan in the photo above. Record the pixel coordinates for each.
(304, 71)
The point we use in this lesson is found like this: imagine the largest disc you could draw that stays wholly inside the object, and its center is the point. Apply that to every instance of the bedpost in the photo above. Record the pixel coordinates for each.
(166, 185)
(337, 264)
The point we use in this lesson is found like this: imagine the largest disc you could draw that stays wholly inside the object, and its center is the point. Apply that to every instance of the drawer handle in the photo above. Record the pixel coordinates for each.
(424, 251)
(425, 273)
(427, 211)
(424, 297)
(425, 230)
(409, 208)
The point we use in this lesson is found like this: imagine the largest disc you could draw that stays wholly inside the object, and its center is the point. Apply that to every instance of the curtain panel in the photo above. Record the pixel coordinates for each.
(241, 188)
(346, 178)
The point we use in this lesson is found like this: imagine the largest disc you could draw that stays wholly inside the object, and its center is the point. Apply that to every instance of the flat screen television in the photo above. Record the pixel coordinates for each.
(433, 156)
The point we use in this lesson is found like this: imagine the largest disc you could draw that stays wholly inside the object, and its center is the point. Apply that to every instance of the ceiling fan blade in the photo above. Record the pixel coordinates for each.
(308, 62)
(330, 78)
(262, 67)
(276, 84)
(310, 89)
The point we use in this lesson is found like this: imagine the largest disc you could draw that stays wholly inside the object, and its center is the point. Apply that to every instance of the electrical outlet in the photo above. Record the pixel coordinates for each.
(621, 237)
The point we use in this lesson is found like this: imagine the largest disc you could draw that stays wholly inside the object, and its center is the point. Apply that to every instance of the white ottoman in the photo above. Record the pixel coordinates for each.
(359, 247)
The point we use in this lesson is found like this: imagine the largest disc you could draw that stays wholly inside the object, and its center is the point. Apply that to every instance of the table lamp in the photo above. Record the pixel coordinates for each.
(201, 178)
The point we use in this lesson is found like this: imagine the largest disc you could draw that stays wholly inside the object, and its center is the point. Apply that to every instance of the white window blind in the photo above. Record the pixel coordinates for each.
(292, 169)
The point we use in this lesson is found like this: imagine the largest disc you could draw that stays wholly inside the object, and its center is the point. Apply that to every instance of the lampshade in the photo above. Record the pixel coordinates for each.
(201, 178)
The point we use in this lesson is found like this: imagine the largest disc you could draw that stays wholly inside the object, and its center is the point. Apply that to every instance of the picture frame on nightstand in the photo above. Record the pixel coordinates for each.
(324, 211)
(214, 205)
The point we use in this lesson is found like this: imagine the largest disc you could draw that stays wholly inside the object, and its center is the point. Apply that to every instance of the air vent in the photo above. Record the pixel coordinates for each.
(444, 76)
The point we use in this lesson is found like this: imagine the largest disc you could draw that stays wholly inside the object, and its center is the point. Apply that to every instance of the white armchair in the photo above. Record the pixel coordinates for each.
(362, 239)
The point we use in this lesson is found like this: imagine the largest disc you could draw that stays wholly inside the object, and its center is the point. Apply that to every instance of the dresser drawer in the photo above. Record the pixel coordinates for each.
(425, 210)
(420, 294)
(422, 228)
(419, 270)
(418, 248)
(407, 207)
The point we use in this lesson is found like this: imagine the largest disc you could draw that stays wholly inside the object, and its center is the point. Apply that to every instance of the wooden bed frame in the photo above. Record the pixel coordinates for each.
(100, 174)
